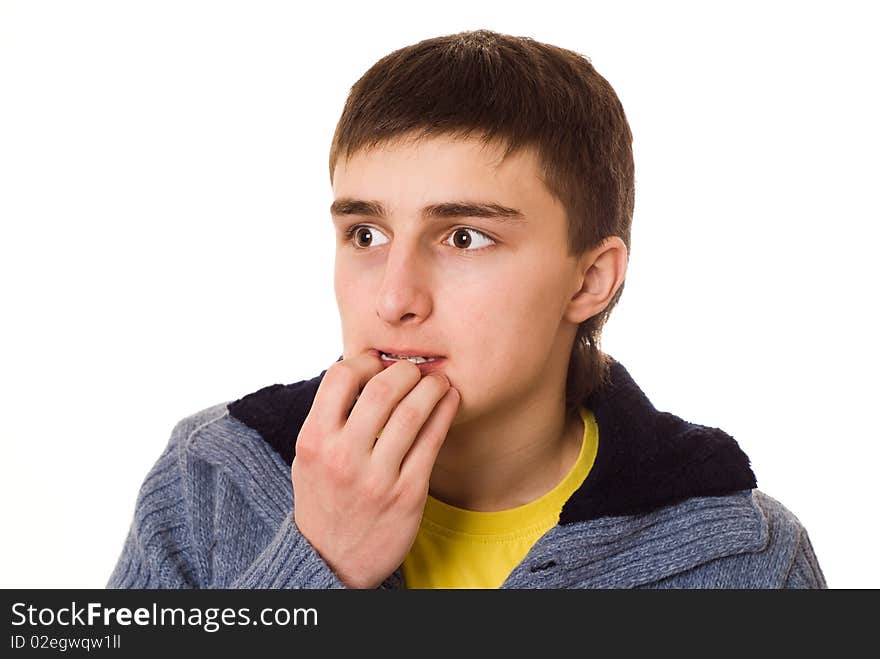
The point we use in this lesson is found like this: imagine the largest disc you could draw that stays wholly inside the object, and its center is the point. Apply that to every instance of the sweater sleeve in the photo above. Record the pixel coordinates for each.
(289, 561)
(159, 552)
(805, 571)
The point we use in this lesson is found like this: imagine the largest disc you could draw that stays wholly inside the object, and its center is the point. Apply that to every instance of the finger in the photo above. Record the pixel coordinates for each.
(407, 422)
(418, 464)
(377, 403)
(340, 387)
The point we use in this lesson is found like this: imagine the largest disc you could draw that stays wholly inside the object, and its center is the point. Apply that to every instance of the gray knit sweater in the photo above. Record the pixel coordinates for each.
(667, 504)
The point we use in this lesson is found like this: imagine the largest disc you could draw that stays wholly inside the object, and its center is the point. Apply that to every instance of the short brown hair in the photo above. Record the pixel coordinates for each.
(520, 93)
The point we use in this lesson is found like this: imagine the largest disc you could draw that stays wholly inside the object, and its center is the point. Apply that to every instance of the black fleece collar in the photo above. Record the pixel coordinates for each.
(646, 459)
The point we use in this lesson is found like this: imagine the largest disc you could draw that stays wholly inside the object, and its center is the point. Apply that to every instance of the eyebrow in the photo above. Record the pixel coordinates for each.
(496, 212)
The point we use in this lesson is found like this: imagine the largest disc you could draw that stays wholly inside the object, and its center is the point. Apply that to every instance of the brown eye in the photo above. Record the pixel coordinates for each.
(363, 234)
(461, 238)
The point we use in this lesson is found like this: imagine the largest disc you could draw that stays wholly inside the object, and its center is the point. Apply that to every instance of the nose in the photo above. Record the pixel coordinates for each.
(404, 295)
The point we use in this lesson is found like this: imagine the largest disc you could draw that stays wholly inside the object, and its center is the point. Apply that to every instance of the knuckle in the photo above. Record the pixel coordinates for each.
(375, 487)
(306, 449)
(408, 415)
(398, 490)
(407, 493)
(342, 372)
(377, 390)
(339, 465)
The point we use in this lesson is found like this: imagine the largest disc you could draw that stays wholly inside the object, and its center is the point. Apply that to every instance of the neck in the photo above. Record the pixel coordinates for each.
(508, 458)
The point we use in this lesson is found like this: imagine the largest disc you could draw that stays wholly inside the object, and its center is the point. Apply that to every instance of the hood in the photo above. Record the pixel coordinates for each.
(646, 459)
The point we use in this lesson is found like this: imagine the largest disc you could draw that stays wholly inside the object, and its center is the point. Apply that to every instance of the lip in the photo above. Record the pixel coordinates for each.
(405, 353)
(425, 368)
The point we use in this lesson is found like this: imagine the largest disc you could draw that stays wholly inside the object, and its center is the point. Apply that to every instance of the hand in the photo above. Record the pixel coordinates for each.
(358, 500)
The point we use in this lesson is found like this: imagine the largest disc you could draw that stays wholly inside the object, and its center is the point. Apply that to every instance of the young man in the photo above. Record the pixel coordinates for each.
(472, 435)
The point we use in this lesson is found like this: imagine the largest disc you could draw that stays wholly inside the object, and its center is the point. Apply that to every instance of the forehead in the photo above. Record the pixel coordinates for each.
(440, 168)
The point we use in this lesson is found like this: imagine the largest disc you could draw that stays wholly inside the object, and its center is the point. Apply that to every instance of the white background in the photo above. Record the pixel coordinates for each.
(166, 242)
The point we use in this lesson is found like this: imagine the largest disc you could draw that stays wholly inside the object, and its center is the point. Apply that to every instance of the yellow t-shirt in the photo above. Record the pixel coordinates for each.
(458, 548)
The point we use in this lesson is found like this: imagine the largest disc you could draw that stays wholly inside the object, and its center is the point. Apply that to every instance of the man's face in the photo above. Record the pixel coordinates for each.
(488, 294)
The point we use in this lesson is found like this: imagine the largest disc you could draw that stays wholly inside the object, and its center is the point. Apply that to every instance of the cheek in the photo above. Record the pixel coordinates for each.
(350, 288)
(491, 327)
(478, 316)
(515, 303)
(512, 322)
(338, 285)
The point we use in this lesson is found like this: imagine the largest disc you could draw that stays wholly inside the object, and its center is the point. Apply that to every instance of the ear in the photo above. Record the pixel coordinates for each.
(600, 272)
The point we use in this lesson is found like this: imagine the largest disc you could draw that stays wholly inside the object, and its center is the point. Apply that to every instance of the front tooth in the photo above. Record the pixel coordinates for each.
(414, 360)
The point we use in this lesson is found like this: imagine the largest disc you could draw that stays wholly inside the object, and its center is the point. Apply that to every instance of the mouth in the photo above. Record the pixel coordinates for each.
(425, 362)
